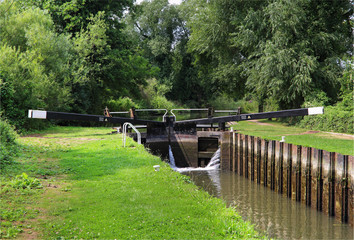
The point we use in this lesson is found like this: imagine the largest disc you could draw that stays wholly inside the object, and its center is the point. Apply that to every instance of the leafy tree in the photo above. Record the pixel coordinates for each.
(293, 48)
(33, 63)
(212, 24)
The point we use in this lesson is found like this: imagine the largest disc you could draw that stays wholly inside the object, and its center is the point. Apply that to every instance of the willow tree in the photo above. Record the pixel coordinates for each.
(293, 49)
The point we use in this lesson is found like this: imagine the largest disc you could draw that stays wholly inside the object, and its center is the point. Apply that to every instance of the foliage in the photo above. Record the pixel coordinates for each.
(282, 49)
(334, 119)
(33, 65)
(123, 103)
(154, 94)
(9, 146)
(224, 102)
(23, 181)
(293, 48)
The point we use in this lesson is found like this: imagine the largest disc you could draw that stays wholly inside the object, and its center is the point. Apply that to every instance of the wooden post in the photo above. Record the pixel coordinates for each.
(272, 166)
(234, 151)
(316, 179)
(306, 175)
(332, 186)
(264, 162)
(326, 170)
(252, 158)
(287, 169)
(298, 174)
(350, 189)
(240, 155)
(259, 159)
(340, 182)
(245, 156)
(279, 166)
(225, 151)
(132, 113)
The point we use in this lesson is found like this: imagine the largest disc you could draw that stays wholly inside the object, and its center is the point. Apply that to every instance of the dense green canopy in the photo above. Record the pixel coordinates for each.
(83, 55)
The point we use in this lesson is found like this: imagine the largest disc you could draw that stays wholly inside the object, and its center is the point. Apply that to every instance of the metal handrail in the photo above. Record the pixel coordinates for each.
(150, 110)
(125, 132)
(144, 110)
(118, 112)
(225, 111)
(188, 109)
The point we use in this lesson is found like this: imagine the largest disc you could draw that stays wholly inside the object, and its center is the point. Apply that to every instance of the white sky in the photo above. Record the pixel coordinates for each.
(170, 1)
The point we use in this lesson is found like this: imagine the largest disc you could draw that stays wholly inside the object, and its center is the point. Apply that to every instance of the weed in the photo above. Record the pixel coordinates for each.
(23, 181)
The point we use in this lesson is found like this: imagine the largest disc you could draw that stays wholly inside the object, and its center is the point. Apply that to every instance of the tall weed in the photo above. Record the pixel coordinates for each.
(9, 146)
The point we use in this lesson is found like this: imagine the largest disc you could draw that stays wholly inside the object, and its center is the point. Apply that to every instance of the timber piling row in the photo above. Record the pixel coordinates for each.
(320, 179)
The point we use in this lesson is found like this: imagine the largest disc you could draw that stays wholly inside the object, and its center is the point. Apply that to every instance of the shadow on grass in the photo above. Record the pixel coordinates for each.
(97, 159)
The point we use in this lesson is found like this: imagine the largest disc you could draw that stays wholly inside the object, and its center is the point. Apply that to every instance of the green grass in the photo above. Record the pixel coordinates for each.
(105, 191)
(276, 130)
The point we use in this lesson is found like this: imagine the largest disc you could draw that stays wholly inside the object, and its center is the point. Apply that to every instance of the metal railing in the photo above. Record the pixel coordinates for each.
(125, 125)
(188, 109)
(202, 109)
(144, 110)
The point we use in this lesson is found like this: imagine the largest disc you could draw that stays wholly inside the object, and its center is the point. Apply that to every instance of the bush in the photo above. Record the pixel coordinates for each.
(248, 106)
(224, 102)
(334, 119)
(9, 146)
(123, 104)
(23, 181)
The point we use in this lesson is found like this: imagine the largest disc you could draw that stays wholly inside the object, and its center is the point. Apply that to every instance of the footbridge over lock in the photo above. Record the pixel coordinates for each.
(319, 179)
(193, 141)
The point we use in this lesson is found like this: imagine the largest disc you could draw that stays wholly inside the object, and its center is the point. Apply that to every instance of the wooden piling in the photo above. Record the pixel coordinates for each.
(264, 162)
(296, 168)
(240, 155)
(317, 178)
(251, 158)
(340, 182)
(350, 189)
(258, 159)
(306, 175)
(234, 151)
(279, 167)
(327, 178)
(245, 156)
(287, 169)
(225, 151)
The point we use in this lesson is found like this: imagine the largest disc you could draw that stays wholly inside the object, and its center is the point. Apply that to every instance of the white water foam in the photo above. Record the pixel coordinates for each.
(214, 163)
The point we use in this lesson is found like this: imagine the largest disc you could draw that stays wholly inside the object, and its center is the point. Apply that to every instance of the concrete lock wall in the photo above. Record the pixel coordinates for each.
(320, 179)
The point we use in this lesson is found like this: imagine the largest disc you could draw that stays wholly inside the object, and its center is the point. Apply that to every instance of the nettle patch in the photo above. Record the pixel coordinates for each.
(15, 195)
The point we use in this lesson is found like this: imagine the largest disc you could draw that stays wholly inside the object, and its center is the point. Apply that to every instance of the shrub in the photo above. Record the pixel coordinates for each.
(248, 106)
(9, 145)
(334, 119)
(23, 181)
(123, 103)
(224, 102)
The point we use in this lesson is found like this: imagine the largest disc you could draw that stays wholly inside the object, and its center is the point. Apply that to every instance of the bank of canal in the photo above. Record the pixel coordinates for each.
(93, 188)
(272, 214)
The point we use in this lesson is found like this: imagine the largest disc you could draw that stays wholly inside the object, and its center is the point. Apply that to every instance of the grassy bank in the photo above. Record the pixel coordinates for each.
(92, 187)
(272, 130)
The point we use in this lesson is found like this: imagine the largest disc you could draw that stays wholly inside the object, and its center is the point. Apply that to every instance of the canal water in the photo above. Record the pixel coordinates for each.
(272, 214)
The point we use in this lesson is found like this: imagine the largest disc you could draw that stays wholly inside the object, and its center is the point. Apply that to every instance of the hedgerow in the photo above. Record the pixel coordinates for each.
(335, 119)
(9, 146)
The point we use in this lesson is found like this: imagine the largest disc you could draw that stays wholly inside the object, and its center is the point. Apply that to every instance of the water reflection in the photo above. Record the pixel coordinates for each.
(270, 212)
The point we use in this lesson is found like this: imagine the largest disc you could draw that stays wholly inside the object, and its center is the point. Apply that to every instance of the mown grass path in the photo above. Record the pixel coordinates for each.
(95, 188)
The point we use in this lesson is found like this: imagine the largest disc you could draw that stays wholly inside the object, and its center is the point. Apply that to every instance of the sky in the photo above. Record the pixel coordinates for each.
(170, 1)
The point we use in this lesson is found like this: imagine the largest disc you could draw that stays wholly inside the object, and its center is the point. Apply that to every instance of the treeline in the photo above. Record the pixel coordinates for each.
(82, 55)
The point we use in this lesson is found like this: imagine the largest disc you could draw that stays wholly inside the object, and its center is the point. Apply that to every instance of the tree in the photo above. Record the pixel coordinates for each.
(293, 48)
(33, 64)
